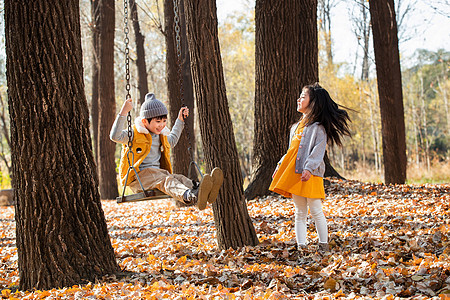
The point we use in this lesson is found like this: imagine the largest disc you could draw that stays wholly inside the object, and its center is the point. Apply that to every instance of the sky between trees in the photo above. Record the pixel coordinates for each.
(427, 26)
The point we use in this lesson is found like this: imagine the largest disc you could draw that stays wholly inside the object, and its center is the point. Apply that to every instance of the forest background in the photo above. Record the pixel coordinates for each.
(351, 80)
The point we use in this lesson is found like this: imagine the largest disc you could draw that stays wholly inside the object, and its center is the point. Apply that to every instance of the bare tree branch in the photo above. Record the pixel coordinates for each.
(403, 10)
(441, 7)
(156, 20)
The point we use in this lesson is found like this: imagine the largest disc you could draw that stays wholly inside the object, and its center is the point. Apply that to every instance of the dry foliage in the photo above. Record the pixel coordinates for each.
(386, 242)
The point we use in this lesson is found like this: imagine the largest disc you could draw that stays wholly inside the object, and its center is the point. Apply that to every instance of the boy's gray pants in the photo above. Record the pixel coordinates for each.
(173, 185)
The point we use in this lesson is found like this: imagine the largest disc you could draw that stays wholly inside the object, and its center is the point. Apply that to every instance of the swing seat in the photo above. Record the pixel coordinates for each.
(153, 194)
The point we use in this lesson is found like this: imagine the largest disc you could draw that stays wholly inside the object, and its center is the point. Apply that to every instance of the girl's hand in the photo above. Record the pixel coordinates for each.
(306, 175)
(183, 113)
(126, 107)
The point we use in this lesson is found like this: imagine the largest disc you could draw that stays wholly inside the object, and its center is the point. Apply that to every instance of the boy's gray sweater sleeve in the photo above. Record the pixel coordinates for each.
(175, 133)
(118, 134)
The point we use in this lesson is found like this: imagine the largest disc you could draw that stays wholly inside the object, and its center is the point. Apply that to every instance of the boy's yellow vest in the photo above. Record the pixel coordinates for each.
(141, 148)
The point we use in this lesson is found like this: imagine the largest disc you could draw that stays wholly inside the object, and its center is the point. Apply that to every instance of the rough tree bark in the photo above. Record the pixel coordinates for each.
(233, 224)
(107, 102)
(140, 53)
(389, 78)
(180, 154)
(286, 60)
(61, 232)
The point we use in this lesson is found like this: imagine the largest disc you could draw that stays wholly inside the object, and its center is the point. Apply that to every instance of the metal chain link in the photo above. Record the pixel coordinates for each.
(177, 21)
(128, 96)
(127, 77)
(127, 80)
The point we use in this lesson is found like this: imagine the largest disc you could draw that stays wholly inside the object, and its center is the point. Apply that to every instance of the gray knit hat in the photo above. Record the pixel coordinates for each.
(152, 107)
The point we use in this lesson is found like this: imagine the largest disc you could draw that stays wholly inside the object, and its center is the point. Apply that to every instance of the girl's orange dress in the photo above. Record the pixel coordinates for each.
(286, 182)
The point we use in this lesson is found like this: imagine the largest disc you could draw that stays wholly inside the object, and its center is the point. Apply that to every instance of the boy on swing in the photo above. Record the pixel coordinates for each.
(151, 143)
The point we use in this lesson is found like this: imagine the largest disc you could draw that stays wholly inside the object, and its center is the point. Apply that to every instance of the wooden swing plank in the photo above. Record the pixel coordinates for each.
(143, 196)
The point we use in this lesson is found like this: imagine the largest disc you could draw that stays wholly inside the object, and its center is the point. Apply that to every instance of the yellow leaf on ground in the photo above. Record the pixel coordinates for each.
(6, 293)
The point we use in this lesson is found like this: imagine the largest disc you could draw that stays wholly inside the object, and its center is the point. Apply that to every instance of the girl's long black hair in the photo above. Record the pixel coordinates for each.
(324, 110)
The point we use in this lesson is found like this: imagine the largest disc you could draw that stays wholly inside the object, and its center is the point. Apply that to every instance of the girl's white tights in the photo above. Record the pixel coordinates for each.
(301, 214)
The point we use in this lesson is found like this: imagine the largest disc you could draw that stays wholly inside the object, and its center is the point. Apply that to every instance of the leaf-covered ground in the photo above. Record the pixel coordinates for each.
(386, 242)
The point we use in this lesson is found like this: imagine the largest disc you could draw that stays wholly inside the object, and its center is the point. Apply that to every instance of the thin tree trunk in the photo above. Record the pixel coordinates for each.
(423, 110)
(61, 232)
(330, 171)
(363, 136)
(365, 30)
(5, 133)
(325, 7)
(376, 132)
(233, 224)
(140, 53)
(416, 134)
(361, 24)
(107, 102)
(286, 59)
(95, 14)
(443, 89)
(180, 154)
(441, 82)
(389, 78)
(373, 130)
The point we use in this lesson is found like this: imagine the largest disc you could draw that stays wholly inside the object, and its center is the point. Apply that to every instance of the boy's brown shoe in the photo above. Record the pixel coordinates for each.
(217, 180)
(204, 190)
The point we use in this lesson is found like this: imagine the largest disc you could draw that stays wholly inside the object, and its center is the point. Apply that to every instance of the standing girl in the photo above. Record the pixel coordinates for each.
(299, 173)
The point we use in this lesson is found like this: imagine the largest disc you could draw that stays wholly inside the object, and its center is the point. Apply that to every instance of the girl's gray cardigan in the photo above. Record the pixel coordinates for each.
(311, 149)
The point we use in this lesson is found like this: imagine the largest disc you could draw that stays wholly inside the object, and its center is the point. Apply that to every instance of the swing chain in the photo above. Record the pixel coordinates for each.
(128, 96)
(127, 74)
(177, 21)
(128, 88)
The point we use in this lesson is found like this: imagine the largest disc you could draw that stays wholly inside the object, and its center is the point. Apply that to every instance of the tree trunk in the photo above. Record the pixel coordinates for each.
(372, 106)
(140, 52)
(325, 7)
(416, 133)
(389, 79)
(423, 110)
(286, 59)
(329, 170)
(443, 88)
(376, 112)
(365, 32)
(107, 102)
(95, 14)
(233, 224)
(61, 232)
(4, 133)
(362, 98)
(180, 154)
